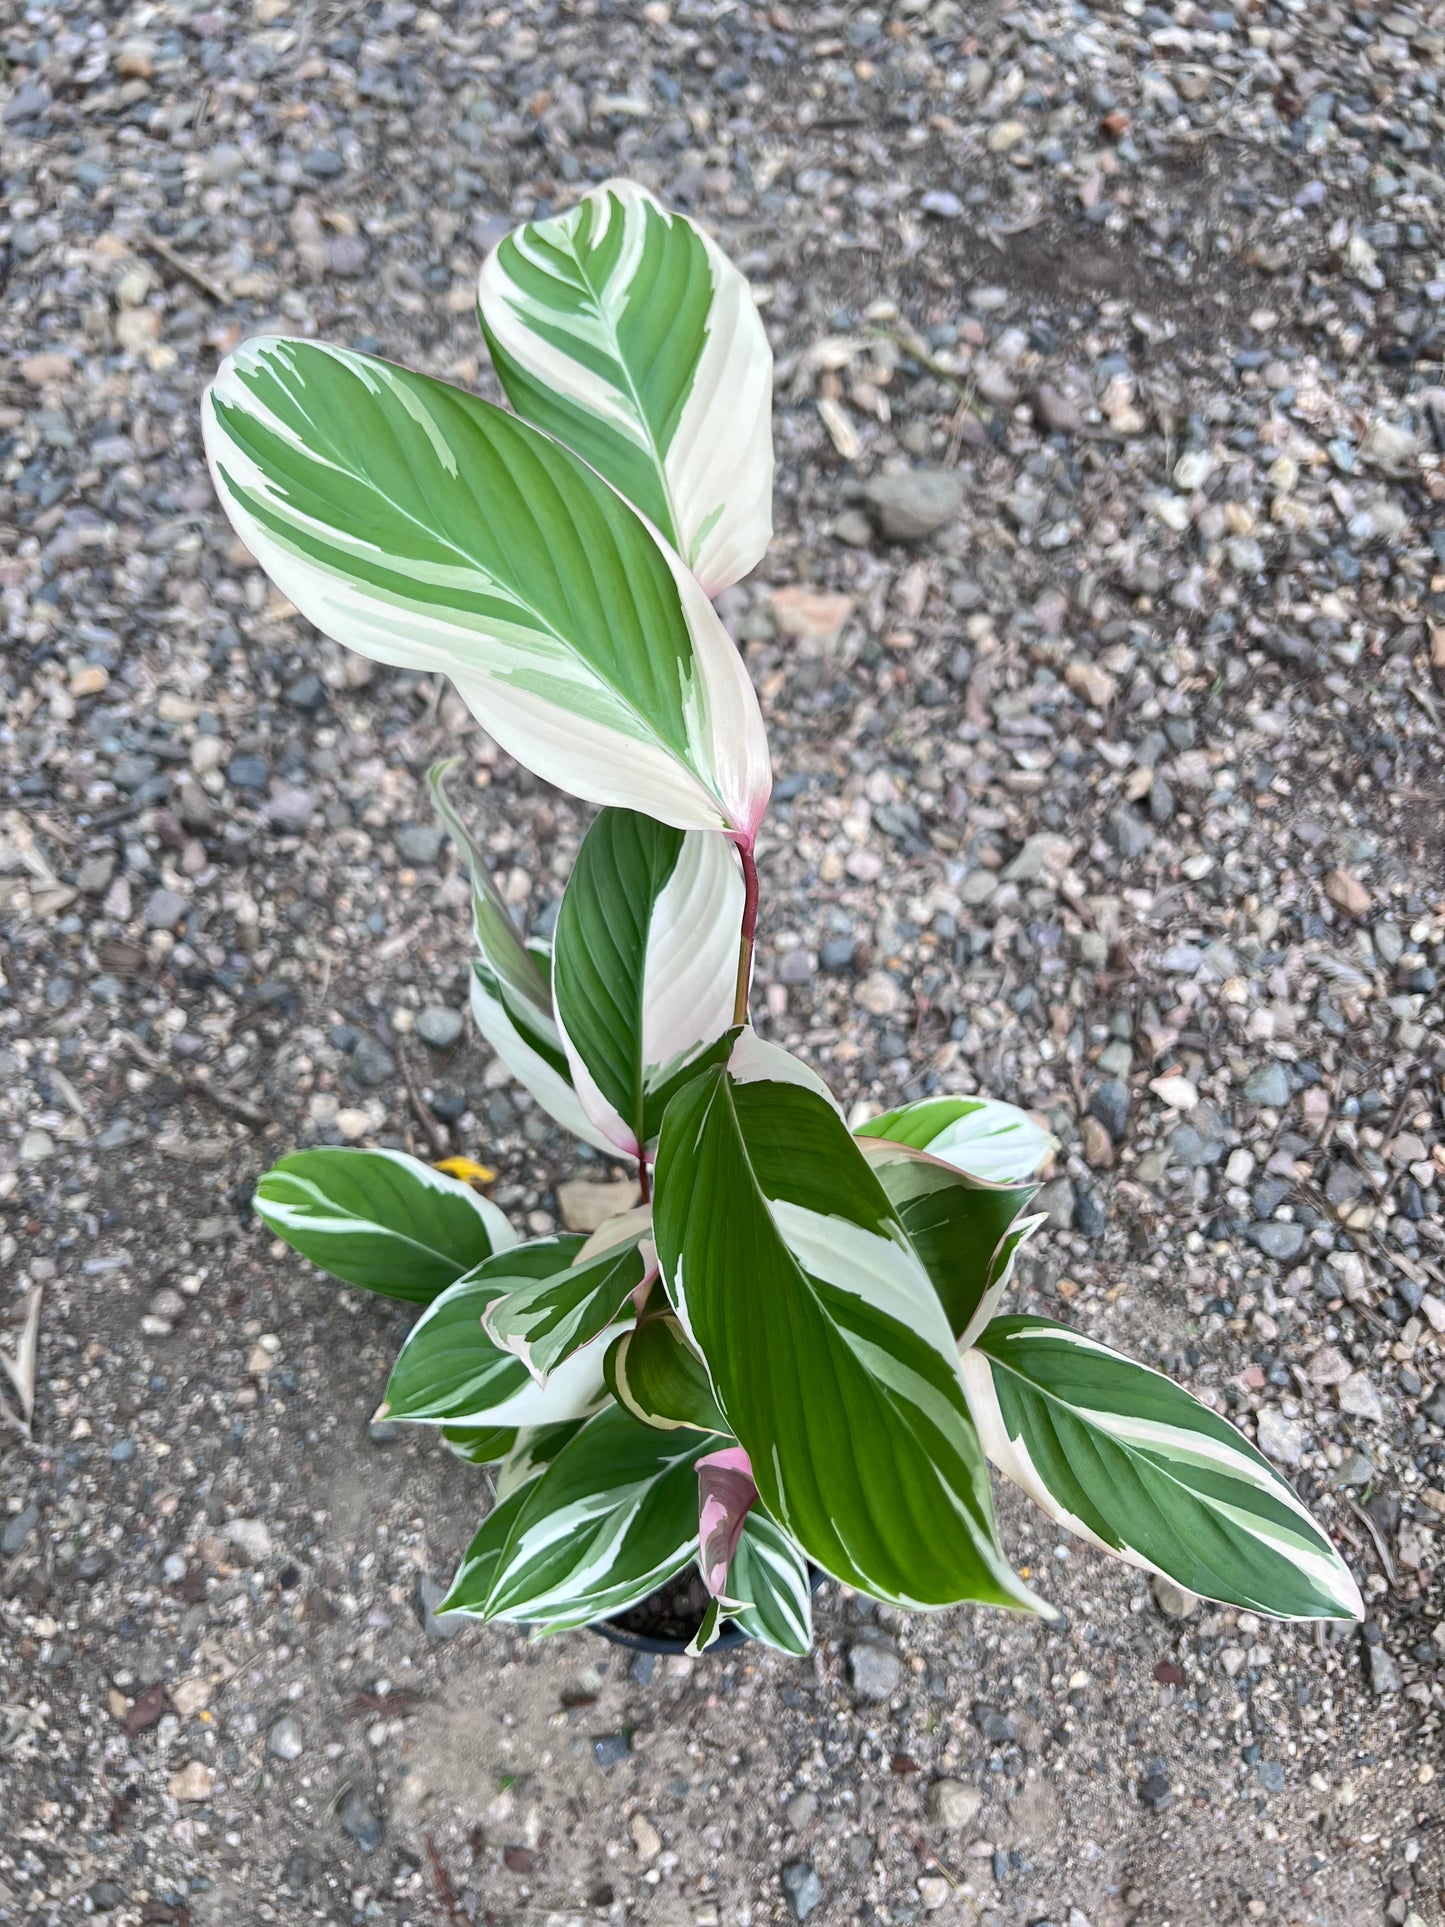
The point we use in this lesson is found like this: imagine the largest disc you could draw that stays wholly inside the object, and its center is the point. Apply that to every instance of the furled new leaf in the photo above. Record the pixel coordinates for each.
(644, 967)
(450, 1373)
(430, 530)
(623, 330)
(511, 990)
(979, 1135)
(829, 1351)
(1124, 1457)
(612, 1517)
(967, 1233)
(657, 1375)
(380, 1219)
(545, 1319)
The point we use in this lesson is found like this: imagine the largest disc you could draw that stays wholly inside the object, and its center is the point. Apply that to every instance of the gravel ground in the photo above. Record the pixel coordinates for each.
(1110, 760)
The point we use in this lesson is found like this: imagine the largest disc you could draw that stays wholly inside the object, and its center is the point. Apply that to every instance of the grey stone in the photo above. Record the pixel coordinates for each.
(1271, 1775)
(1130, 835)
(940, 202)
(248, 773)
(164, 909)
(1156, 1792)
(1279, 1438)
(1056, 1200)
(1090, 1218)
(439, 1027)
(1173, 1601)
(1268, 1086)
(420, 842)
(372, 1065)
(952, 1805)
(873, 1669)
(802, 1886)
(1384, 1673)
(1275, 1240)
(995, 1726)
(1110, 1104)
(286, 1741)
(911, 506)
(430, 1593)
(18, 1529)
(359, 1822)
(610, 1749)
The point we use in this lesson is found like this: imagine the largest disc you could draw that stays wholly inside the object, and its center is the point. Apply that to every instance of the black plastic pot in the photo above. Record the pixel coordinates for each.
(731, 1636)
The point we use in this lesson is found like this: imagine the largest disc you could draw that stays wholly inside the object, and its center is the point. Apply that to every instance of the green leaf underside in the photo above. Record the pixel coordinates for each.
(1158, 1477)
(769, 1571)
(612, 1517)
(449, 1371)
(543, 1320)
(379, 1220)
(654, 1374)
(958, 1226)
(431, 497)
(859, 1434)
(480, 1444)
(649, 351)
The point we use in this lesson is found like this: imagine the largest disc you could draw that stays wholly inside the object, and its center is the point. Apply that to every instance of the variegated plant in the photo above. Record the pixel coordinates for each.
(790, 1358)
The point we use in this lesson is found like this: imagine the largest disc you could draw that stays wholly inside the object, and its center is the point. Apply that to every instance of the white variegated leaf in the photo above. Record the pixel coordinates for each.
(430, 530)
(1127, 1459)
(981, 1136)
(770, 1573)
(511, 989)
(830, 1353)
(380, 1219)
(624, 331)
(645, 967)
(450, 1373)
(611, 1518)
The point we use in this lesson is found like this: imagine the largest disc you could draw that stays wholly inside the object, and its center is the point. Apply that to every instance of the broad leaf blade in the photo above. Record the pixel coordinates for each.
(624, 331)
(544, 1320)
(769, 1571)
(829, 1352)
(612, 1517)
(1126, 1458)
(380, 1219)
(450, 1373)
(966, 1233)
(430, 530)
(511, 990)
(656, 1375)
(474, 1576)
(534, 1451)
(981, 1136)
(644, 968)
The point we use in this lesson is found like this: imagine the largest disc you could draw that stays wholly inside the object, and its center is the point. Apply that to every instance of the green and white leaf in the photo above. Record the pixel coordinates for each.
(656, 1375)
(544, 1320)
(966, 1233)
(380, 1219)
(644, 967)
(612, 1517)
(624, 331)
(511, 988)
(981, 1136)
(473, 1578)
(430, 530)
(771, 1573)
(534, 1451)
(450, 1373)
(829, 1352)
(1127, 1459)
(480, 1444)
